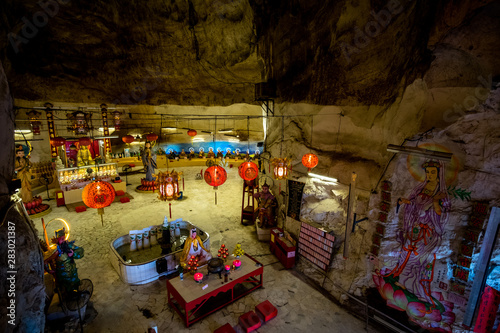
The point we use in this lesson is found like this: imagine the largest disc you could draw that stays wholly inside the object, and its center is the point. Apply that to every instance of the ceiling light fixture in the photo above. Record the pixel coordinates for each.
(437, 155)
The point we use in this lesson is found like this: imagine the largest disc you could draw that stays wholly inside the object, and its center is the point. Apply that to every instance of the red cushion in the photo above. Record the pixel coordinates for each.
(266, 310)
(124, 199)
(249, 321)
(225, 329)
(131, 165)
(119, 193)
(80, 209)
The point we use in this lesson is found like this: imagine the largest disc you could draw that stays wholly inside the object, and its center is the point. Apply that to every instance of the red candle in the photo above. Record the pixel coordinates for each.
(223, 245)
(224, 256)
(237, 263)
(170, 209)
(198, 277)
(218, 255)
(228, 267)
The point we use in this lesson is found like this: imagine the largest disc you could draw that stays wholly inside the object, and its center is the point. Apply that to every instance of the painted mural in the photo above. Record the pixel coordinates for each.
(407, 285)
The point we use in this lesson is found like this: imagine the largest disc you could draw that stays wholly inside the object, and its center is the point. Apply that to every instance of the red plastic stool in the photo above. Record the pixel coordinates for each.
(249, 322)
(266, 310)
(124, 199)
(119, 193)
(225, 329)
(80, 209)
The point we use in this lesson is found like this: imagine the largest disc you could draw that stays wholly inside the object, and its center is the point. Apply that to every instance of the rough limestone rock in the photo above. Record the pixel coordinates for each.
(28, 291)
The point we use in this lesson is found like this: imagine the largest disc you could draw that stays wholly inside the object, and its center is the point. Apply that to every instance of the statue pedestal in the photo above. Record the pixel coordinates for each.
(263, 235)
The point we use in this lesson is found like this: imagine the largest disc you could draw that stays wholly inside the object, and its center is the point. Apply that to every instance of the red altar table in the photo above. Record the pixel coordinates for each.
(194, 301)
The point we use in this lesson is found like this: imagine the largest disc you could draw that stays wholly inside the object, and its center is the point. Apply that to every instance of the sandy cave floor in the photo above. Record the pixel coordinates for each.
(120, 307)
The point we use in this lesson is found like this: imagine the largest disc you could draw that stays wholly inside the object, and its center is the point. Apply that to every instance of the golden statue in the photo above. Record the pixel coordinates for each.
(84, 157)
(22, 168)
(194, 247)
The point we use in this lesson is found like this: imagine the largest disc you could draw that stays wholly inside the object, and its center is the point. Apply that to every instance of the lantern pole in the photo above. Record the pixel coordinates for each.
(100, 211)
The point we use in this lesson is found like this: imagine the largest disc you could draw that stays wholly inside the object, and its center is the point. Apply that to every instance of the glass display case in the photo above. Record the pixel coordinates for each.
(78, 177)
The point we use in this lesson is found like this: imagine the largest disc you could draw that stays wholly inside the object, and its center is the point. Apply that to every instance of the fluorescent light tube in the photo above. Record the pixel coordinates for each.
(324, 178)
(433, 154)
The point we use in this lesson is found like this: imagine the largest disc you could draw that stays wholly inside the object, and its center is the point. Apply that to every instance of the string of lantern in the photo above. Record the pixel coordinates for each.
(215, 175)
(248, 170)
(281, 165)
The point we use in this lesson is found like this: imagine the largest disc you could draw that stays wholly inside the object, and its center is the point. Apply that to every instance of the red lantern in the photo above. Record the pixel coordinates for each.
(281, 168)
(128, 139)
(98, 194)
(84, 141)
(215, 175)
(248, 170)
(310, 161)
(57, 141)
(192, 132)
(151, 137)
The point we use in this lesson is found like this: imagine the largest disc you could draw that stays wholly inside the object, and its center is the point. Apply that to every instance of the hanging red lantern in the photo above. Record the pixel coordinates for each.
(128, 139)
(309, 160)
(248, 170)
(215, 176)
(281, 168)
(98, 195)
(57, 141)
(84, 141)
(192, 132)
(151, 137)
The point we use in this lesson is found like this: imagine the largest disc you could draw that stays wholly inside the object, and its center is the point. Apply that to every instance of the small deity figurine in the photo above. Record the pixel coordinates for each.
(267, 203)
(59, 163)
(183, 154)
(228, 153)
(210, 153)
(201, 153)
(191, 153)
(83, 157)
(219, 153)
(22, 167)
(194, 247)
(66, 272)
(149, 161)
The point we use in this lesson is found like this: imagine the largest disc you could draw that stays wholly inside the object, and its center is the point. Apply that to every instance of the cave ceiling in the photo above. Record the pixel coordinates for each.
(212, 53)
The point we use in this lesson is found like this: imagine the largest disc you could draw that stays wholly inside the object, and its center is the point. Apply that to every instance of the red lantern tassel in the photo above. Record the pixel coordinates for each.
(170, 209)
(216, 198)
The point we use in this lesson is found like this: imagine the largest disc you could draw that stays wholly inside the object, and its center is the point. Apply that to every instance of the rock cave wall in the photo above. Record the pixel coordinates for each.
(22, 287)
(472, 176)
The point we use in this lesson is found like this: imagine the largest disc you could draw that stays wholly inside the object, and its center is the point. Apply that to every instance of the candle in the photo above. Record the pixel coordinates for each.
(170, 209)
(228, 267)
(198, 277)
(237, 263)
(218, 255)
